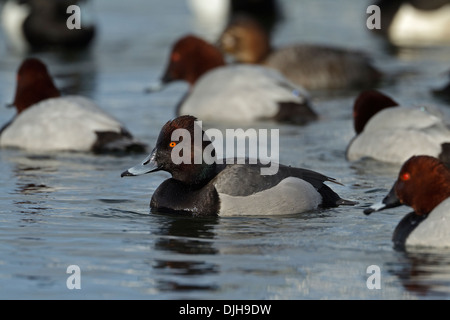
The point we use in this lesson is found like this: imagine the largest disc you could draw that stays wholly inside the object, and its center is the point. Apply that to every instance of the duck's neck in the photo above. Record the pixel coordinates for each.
(28, 94)
(258, 51)
(196, 175)
(206, 58)
(430, 197)
(202, 68)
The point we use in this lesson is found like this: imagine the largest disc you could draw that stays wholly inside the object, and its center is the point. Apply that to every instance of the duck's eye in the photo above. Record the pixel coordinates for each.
(172, 144)
(405, 177)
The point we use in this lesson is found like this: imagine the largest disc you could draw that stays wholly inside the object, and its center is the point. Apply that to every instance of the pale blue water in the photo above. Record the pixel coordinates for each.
(68, 209)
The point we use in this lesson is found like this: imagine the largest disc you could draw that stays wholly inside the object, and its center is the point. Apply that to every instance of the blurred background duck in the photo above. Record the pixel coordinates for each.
(415, 22)
(212, 16)
(46, 121)
(33, 25)
(388, 132)
(315, 67)
(234, 93)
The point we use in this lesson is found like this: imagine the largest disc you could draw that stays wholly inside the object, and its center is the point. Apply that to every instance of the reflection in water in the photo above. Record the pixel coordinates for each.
(32, 188)
(192, 238)
(76, 75)
(424, 272)
(29, 172)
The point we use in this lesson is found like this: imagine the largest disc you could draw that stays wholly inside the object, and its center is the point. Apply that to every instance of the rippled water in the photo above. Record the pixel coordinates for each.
(74, 209)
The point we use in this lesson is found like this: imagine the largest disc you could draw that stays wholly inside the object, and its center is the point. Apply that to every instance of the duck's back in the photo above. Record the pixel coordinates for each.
(395, 134)
(241, 189)
(289, 190)
(433, 231)
(320, 67)
(413, 26)
(64, 123)
(241, 93)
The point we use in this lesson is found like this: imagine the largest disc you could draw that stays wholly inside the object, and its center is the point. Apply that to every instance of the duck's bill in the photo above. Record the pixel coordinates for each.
(390, 201)
(161, 83)
(155, 87)
(148, 165)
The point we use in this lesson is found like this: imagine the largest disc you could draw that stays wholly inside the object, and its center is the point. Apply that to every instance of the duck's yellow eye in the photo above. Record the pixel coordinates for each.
(172, 144)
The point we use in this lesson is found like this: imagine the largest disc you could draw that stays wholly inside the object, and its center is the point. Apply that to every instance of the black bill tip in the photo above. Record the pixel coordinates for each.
(126, 174)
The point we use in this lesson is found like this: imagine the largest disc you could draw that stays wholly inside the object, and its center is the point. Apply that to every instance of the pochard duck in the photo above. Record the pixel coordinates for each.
(215, 188)
(47, 121)
(415, 23)
(213, 15)
(42, 24)
(423, 183)
(314, 67)
(391, 133)
(233, 93)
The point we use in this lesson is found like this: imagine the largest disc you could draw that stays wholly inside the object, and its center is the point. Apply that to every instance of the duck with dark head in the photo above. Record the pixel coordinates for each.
(211, 188)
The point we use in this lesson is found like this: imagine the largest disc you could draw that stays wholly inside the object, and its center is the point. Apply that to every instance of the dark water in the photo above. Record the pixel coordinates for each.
(68, 209)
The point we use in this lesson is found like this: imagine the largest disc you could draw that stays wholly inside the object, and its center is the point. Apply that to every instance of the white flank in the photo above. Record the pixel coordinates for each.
(434, 231)
(13, 16)
(291, 195)
(240, 93)
(417, 27)
(66, 123)
(395, 134)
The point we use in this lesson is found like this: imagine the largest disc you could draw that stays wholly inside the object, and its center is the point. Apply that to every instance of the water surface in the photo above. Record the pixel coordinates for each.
(68, 209)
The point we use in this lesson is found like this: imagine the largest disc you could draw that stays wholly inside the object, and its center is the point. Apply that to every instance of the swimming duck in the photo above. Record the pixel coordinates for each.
(314, 67)
(423, 183)
(46, 121)
(212, 16)
(233, 93)
(43, 24)
(210, 187)
(414, 22)
(391, 133)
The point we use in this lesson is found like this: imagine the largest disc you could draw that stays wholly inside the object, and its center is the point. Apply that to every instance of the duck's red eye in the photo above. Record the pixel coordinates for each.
(172, 144)
(405, 177)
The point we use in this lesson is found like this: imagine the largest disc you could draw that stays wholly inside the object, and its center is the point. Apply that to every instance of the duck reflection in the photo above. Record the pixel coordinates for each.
(186, 237)
(31, 188)
(77, 77)
(424, 273)
(30, 174)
